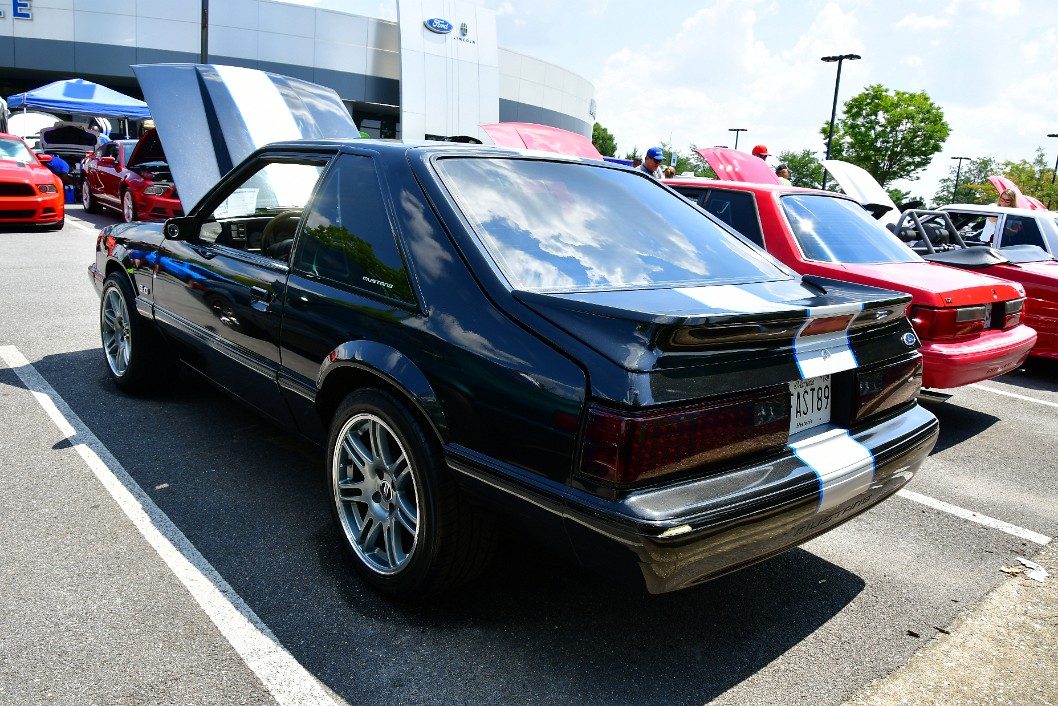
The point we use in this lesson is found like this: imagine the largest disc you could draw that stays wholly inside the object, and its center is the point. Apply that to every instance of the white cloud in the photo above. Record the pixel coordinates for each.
(921, 23)
(913, 61)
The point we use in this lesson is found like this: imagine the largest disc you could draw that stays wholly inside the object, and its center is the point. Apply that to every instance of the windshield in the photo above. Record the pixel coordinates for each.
(831, 229)
(567, 226)
(15, 149)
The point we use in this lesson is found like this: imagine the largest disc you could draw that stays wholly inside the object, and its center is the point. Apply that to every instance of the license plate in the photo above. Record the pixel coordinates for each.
(810, 402)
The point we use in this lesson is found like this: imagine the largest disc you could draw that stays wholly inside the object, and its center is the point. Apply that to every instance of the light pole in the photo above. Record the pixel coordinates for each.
(958, 172)
(1052, 134)
(834, 110)
(203, 54)
(737, 130)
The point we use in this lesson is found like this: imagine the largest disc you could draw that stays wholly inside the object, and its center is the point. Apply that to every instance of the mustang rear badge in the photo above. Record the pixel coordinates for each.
(909, 338)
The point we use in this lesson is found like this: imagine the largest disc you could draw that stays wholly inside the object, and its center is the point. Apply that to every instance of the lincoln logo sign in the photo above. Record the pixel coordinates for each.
(436, 24)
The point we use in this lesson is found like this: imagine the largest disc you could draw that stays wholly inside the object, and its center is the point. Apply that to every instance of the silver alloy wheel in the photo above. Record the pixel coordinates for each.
(374, 490)
(86, 195)
(128, 208)
(117, 335)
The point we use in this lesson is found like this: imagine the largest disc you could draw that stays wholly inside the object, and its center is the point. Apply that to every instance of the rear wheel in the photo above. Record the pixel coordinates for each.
(128, 206)
(125, 336)
(88, 199)
(395, 502)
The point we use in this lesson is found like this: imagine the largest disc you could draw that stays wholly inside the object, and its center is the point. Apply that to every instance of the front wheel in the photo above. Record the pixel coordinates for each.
(128, 206)
(124, 335)
(398, 509)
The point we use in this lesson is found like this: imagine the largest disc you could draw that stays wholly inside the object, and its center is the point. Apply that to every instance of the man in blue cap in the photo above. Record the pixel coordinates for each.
(652, 163)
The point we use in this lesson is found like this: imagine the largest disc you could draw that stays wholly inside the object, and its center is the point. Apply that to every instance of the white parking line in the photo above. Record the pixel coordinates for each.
(287, 681)
(1014, 395)
(977, 517)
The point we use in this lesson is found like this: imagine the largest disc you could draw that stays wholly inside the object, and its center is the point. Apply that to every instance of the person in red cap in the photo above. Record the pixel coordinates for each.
(761, 151)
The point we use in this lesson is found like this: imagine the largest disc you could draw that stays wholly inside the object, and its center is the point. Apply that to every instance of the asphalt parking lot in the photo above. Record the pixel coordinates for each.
(175, 549)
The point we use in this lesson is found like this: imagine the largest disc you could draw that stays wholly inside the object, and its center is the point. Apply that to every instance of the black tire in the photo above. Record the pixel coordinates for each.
(127, 341)
(400, 480)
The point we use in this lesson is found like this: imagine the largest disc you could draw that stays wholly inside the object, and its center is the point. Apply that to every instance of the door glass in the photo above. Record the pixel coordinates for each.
(1021, 230)
(261, 214)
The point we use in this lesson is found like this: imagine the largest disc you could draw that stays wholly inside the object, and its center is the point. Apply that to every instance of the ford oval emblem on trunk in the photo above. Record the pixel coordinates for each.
(436, 24)
(909, 338)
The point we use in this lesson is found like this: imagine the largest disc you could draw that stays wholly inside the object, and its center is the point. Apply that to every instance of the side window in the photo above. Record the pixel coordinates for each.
(692, 195)
(738, 209)
(1021, 230)
(974, 228)
(110, 149)
(348, 238)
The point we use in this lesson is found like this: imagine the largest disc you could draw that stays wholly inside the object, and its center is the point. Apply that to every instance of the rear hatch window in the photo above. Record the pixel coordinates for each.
(830, 229)
(568, 226)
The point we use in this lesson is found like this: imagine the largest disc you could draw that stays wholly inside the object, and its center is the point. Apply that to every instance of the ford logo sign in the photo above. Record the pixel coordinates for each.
(436, 24)
(909, 339)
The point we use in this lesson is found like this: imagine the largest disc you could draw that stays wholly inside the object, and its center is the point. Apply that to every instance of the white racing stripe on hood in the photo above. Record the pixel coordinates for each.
(845, 466)
(268, 118)
(825, 353)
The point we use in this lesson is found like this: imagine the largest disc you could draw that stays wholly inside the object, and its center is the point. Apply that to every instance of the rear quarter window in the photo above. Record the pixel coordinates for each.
(570, 226)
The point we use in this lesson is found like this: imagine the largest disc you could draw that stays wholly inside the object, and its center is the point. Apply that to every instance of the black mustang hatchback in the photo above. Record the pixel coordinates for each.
(476, 333)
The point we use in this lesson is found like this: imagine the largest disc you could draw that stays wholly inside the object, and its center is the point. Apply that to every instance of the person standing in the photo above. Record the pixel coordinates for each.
(652, 163)
(783, 172)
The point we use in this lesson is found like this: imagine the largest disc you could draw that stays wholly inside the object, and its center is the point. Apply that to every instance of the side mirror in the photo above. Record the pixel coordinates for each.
(44, 158)
(108, 160)
(180, 228)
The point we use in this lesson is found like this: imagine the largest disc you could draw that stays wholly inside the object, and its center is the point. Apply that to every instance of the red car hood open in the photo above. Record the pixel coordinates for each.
(541, 137)
(937, 285)
(1022, 201)
(733, 165)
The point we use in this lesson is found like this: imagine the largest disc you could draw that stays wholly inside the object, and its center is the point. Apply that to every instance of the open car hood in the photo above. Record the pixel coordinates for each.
(733, 165)
(211, 117)
(1021, 200)
(858, 183)
(541, 137)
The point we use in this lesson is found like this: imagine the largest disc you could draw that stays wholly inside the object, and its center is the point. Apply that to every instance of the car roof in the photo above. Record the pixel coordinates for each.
(750, 186)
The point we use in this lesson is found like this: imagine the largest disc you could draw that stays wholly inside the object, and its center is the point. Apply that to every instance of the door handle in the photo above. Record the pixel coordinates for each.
(260, 298)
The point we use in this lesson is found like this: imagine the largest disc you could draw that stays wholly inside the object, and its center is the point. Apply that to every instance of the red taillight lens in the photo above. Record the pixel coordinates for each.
(885, 388)
(945, 324)
(623, 448)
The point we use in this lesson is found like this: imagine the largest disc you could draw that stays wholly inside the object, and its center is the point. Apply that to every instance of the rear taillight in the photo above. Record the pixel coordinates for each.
(882, 389)
(1006, 315)
(947, 324)
(623, 447)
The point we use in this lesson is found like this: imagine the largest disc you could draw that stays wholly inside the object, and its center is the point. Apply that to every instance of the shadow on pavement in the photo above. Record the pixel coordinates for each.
(957, 423)
(252, 500)
(1040, 374)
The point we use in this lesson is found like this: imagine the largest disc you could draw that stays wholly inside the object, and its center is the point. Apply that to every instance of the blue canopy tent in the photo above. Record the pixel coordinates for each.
(77, 96)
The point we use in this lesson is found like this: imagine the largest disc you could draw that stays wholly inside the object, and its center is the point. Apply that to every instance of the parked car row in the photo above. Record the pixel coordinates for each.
(131, 177)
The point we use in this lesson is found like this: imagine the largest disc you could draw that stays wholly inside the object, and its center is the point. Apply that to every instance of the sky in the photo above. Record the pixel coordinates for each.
(685, 72)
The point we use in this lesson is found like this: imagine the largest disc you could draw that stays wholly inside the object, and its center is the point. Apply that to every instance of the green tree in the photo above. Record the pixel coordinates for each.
(890, 133)
(974, 186)
(603, 140)
(633, 155)
(805, 169)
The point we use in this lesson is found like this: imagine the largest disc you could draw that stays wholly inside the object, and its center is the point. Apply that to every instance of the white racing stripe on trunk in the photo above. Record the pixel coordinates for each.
(732, 298)
(289, 683)
(825, 353)
(266, 114)
(845, 466)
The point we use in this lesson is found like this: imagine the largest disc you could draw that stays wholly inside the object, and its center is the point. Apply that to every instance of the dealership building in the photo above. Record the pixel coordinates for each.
(435, 69)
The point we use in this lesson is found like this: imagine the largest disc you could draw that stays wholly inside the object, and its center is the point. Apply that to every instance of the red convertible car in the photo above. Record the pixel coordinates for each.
(130, 177)
(969, 323)
(29, 192)
(1011, 243)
